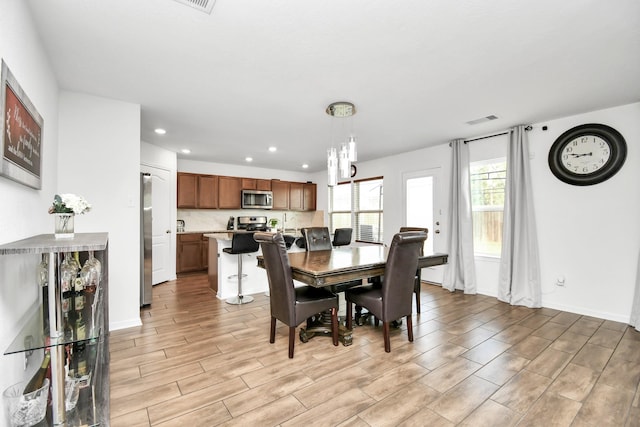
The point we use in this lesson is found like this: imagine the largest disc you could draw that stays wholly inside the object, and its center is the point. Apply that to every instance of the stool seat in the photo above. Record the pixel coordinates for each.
(242, 243)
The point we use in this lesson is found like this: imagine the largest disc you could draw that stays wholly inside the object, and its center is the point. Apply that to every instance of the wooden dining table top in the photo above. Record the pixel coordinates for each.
(345, 264)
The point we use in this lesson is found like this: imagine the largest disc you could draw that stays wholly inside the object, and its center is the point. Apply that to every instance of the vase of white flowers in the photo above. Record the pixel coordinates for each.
(64, 208)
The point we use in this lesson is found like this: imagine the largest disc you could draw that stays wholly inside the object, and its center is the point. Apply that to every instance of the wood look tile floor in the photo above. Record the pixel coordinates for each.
(197, 361)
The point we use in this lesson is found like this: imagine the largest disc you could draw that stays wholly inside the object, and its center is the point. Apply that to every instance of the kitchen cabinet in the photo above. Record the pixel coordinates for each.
(187, 190)
(296, 196)
(309, 197)
(197, 191)
(192, 252)
(280, 191)
(256, 184)
(229, 192)
(57, 321)
(207, 192)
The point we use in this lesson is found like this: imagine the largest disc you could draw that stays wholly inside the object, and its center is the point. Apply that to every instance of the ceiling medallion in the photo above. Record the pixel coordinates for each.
(341, 109)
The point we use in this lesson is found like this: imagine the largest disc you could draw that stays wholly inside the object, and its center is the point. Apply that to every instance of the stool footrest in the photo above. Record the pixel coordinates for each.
(240, 299)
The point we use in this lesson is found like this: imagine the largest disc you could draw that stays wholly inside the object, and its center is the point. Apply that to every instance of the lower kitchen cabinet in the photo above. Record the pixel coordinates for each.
(192, 252)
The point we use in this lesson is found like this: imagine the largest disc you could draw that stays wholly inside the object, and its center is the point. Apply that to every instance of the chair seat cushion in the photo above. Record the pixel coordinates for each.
(367, 296)
(310, 300)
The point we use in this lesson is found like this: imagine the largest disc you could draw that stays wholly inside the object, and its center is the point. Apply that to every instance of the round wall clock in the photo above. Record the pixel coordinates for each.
(587, 154)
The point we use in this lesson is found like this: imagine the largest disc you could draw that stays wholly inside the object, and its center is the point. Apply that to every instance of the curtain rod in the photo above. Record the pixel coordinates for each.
(506, 132)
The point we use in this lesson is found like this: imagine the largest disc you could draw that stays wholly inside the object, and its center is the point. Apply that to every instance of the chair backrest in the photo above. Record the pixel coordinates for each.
(342, 236)
(276, 261)
(317, 238)
(426, 230)
(399, 274)
(244, 243)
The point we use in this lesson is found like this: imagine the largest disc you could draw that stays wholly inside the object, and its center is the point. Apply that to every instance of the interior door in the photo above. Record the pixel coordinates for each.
(160, 224)
(421, 209)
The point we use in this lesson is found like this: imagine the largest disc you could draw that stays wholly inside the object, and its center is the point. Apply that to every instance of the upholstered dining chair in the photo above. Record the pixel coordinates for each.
(342, 236)
(418, 278)
(289, 304)
(317, 238)
(391, 300)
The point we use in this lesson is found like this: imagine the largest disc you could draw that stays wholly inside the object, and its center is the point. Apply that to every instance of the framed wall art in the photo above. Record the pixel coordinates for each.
(21, 138)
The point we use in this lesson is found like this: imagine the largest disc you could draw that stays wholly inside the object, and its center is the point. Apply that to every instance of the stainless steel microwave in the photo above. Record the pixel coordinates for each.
(257, 199)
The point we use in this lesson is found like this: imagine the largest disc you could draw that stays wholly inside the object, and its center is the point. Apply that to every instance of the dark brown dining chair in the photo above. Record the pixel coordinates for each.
(289, 304)
(391, 300)
(317, 238)
(418, 278)
(342, 236)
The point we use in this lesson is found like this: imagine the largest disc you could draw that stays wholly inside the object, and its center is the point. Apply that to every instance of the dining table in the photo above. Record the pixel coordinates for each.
(339, 269)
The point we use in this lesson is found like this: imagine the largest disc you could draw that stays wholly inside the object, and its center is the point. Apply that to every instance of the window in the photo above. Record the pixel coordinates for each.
(361, 200)
(340, 206)
(367, 209)
(488, 179)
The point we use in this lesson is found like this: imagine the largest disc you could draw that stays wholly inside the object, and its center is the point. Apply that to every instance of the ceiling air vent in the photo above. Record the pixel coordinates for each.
(205, 6)
(482, 120)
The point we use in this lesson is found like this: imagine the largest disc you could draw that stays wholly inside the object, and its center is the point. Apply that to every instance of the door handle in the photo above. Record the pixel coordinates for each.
(168, 231)
(437, 231)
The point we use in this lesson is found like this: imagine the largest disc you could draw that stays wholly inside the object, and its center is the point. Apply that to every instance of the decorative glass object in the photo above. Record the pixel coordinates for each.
(25, 410)
(63, 225)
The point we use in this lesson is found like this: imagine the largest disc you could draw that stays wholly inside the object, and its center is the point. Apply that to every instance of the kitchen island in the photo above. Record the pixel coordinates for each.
(223, 267)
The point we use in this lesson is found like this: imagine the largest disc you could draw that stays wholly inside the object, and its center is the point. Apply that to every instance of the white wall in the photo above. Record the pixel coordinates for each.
(100, 159)
(24, 211)
(194, 166)
(590, 235)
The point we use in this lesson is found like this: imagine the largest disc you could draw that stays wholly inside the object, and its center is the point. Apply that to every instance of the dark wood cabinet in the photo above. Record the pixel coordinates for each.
(296, 196)
(280, 195)
(207, 191)
(229, 192)
(309, 197)
(225, 192)
(187, 190)
(192, 252)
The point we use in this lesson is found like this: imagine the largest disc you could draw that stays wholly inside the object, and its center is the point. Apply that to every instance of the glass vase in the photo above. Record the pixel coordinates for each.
(63, 225)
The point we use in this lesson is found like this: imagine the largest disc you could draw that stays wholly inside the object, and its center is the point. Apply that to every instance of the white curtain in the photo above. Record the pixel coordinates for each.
(519, 280)
(460, 272)
(635, 309)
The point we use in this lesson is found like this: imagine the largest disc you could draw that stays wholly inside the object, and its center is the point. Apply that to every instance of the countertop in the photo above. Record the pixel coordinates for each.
(289, 231)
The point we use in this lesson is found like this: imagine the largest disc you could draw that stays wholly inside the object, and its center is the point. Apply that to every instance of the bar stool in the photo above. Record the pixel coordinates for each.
(242, 243)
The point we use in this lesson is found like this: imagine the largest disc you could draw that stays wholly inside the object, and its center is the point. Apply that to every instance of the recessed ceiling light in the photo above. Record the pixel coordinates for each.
(186, 151)
(160, 131)
(305, 166)
(273, 149)
(248, 159)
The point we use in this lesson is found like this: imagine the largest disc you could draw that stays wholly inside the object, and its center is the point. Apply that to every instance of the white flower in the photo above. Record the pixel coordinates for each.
(69, 203)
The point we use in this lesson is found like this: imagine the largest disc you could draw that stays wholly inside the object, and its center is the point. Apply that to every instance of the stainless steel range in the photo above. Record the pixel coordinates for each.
(252, 223)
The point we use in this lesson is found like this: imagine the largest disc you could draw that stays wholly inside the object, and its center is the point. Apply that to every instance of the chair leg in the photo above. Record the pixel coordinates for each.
(410, 328)
(417, 292)
(292, 340)
(376, 322)
(385, 334)
(349, 322)
(334, 325)
(272, 336)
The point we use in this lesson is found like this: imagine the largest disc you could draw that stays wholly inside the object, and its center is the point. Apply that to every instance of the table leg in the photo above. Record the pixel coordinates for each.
(320, 324)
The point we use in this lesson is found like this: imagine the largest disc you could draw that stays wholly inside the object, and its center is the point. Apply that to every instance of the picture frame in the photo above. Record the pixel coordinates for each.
(21, 134)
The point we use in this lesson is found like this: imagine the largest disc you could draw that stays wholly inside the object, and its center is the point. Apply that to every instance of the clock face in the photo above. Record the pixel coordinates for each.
(587, 154)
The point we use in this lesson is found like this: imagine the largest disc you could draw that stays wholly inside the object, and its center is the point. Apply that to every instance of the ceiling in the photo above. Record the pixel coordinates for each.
(260, 73)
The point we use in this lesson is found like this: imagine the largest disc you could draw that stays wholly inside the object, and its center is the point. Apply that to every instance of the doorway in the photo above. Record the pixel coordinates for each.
(161, 258)
(421, 192)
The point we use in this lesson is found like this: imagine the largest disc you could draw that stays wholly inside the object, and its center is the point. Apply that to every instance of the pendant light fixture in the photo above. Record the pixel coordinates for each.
(340, 161)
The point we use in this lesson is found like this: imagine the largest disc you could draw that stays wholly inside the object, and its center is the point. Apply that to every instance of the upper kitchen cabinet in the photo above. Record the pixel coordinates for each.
(229, 192)
(295, 196)
(207, 191)
(197, 191)
(309, 196)
(187, 190)
(280, 191)
(256, 184)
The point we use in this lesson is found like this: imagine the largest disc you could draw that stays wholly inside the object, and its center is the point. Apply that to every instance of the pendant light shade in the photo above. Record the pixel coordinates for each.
(340, 161)
(332, 167)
